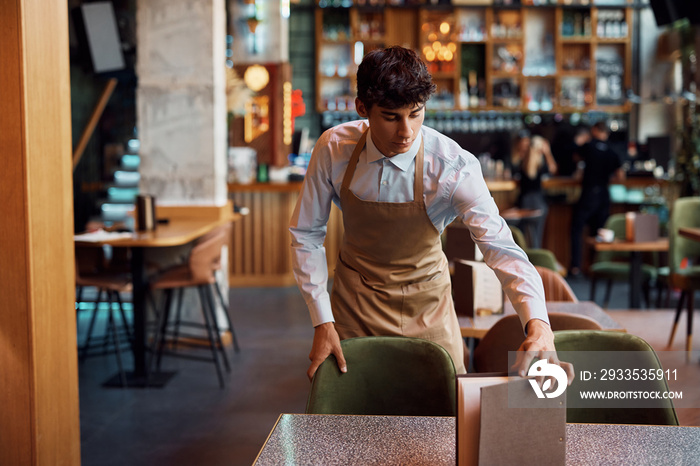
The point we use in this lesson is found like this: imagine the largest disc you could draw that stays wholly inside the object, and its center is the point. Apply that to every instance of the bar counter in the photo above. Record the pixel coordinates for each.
(260, 253)
(260, 247)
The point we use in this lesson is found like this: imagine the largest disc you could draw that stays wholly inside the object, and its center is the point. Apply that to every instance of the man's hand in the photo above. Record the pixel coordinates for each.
(539, 344)
(326, 342)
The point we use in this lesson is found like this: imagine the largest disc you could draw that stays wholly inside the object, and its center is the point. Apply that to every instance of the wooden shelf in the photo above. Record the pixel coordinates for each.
(575, 40)
(576, 74)
(404, 26)
(611, 40)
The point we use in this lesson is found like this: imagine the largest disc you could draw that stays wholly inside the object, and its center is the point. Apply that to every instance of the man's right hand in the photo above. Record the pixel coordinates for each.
(326, 342)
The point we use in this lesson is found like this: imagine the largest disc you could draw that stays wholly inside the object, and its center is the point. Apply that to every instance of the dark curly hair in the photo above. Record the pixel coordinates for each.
(393, 77)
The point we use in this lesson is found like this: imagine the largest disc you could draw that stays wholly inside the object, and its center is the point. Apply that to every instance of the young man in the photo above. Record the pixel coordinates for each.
(399, 184)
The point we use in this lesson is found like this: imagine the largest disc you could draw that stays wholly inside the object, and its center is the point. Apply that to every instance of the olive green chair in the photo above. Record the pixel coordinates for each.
(574, 346)
(685, 213)
(613, 266)
(386, 376)
(539, 257)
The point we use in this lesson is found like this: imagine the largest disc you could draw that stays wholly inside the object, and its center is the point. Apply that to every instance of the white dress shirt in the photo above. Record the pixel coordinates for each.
(453, 187)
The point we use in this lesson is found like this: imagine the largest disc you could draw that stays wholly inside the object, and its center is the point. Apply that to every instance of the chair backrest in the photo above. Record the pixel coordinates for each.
(225, 230)
(685, 213)
(540, 257)
(518, 236)
(491, 354)
(574, 346)
(555, 287)
(89, 261)
(386, 376)
(205, 257)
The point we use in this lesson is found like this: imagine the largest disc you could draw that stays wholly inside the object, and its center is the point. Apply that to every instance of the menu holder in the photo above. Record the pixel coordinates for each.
(501, 421)
(460, 245)
(476, 289)
(640, 228)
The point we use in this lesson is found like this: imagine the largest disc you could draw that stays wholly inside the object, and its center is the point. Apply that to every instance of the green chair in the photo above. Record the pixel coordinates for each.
(613, 266)
(386, 376)
(685, 213)
(540, 257)
(577, 344)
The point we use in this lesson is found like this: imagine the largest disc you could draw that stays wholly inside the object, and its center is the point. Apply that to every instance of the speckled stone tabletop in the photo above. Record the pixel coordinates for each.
(299, 439)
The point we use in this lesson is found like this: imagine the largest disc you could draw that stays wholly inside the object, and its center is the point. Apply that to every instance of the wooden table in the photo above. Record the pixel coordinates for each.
(635, 249)
(177, 232)
(690, 233)
(476, 327)
(407, 440)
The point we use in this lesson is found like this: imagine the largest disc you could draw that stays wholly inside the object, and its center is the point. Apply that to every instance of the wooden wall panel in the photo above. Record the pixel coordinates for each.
(261, 244)
(39, 376)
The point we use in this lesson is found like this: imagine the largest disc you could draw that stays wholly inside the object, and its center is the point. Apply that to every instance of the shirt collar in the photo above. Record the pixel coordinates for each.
(400, 161)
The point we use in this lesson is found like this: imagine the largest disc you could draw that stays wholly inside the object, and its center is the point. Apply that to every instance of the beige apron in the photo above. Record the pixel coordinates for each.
(392, 277)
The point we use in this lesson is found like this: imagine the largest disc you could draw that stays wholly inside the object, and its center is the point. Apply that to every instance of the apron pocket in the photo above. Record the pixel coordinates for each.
(424, 307)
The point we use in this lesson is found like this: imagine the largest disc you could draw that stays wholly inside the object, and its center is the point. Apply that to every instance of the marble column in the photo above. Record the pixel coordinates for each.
(181, 112)
(181, 100)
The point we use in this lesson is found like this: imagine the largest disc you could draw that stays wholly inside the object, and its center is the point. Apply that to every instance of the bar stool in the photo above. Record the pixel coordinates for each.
(199, 272)
(112, 285)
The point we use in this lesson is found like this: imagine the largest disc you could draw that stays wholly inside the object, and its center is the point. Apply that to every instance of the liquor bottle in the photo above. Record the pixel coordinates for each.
(473, 90)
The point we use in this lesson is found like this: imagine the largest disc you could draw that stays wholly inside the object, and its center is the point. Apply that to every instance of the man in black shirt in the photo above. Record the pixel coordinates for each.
(602, 165)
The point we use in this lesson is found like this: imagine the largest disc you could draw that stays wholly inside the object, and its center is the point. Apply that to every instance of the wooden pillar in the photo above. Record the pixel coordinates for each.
(39, 424)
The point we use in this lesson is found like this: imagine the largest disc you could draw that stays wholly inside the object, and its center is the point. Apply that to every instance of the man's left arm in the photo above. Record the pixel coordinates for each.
(475, 207)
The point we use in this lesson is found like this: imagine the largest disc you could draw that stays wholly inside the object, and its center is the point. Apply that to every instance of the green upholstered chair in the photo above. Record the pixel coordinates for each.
(386, 376)
(576, 344)
(685, 213)
(540, 257)
(613, 266)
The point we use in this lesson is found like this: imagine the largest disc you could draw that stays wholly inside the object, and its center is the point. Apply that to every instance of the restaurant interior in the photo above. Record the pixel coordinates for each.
(156, 146)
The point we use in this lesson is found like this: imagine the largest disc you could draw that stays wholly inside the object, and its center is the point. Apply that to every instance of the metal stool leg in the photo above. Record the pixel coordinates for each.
(86, 344)
(125, 322)
(215, 326)
(164, 325)
(116, 342)
(178, 319)
(156, 345)
(224, 304)
(212, 341)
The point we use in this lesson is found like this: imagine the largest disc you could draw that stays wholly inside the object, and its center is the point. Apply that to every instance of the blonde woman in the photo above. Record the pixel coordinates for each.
(535, 161)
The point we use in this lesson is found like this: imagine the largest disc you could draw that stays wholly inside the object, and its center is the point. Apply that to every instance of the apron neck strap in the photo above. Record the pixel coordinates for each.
(350, 170)
(354, 159)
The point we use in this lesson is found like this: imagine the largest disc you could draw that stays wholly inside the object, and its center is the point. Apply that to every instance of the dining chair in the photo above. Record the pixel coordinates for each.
(575, 346)
(612, 266)
(555, 287)
(537, 256)
(199, 273)
(91, 271)
(684, 251)
(397, 376)
(491, 354)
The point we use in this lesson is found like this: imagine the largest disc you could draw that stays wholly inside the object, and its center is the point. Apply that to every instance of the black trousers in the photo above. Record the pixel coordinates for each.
(592, 209)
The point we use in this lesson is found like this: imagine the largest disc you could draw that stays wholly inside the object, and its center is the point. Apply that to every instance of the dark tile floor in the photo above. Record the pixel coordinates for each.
(193, 422)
